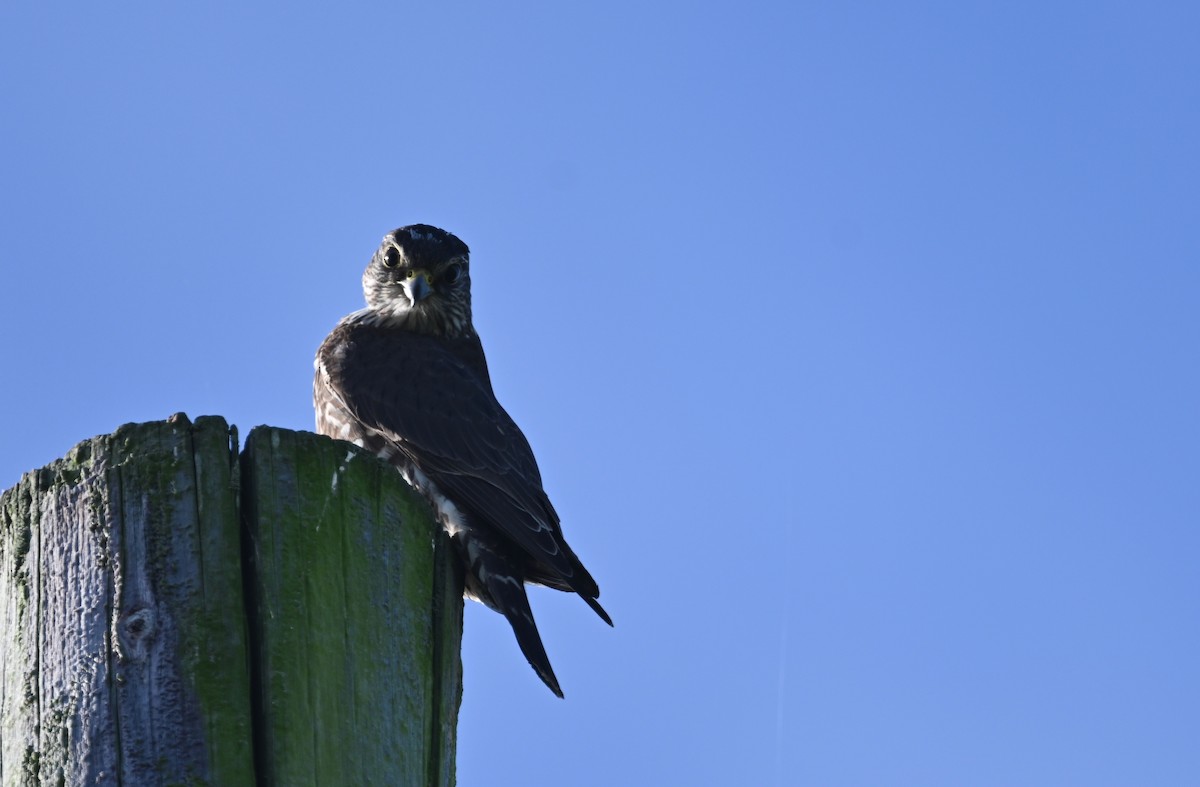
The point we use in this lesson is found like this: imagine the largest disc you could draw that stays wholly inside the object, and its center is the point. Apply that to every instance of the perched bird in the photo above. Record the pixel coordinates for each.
(406, 378)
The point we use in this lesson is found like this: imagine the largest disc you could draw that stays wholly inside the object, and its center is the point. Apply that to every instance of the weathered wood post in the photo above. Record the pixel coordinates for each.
(174, 613)
(356, 621)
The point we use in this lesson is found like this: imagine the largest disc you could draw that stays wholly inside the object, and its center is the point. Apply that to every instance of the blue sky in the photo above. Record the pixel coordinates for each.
(857, 342)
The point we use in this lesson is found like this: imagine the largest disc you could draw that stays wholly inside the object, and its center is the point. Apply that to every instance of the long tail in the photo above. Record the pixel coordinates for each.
(496, 581)
(512, 602)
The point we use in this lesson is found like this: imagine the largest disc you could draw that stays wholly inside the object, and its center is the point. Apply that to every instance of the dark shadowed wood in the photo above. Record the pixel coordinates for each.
(132, 656)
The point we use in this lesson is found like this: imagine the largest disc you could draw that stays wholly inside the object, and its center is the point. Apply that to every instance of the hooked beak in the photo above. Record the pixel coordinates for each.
(418, 285)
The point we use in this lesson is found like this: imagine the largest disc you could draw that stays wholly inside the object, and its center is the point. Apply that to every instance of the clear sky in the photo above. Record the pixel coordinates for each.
(858, 343)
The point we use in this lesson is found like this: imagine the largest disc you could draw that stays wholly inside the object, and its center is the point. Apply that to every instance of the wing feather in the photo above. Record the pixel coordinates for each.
(434, 402)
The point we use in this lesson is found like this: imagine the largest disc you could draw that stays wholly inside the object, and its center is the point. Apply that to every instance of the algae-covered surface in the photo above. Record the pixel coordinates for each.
(357, 617)
(177, 613)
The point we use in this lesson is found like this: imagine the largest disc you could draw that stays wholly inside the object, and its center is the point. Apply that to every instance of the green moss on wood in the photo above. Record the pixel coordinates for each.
(352, 616)
(345, 559)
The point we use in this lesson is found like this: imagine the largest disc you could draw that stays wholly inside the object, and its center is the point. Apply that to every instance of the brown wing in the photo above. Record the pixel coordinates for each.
(431, 402)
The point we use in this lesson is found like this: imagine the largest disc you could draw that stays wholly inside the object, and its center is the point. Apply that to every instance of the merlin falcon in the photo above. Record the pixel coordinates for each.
(406, 378)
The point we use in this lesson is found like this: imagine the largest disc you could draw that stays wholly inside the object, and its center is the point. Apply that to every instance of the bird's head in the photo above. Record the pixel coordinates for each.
(419, 279)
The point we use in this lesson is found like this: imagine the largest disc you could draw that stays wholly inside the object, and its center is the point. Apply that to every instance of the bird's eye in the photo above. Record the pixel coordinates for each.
(452, 274)
(391, 257)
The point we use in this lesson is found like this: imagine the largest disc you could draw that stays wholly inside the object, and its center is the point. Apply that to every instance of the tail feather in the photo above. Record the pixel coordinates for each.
(497, 578)
(499, 583)
(599, 610)
(507, 592)
(582, 584)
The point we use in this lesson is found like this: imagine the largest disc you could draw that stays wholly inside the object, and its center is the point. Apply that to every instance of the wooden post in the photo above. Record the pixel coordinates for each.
(358, 614)
(173, 613)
